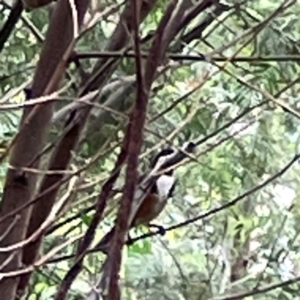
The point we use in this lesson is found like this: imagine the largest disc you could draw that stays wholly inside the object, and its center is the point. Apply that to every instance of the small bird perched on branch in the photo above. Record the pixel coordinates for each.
(160, 189)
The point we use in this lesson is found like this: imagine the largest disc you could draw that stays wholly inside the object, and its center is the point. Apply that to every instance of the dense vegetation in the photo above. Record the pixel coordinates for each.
(90, 89)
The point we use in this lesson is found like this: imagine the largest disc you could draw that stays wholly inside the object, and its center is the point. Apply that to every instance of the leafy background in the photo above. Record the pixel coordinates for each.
(251, 58)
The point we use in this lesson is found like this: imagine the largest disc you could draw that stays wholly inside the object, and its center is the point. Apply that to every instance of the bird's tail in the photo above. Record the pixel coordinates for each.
(104, 243)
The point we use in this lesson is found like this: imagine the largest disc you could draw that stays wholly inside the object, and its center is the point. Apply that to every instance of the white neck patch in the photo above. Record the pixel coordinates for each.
(164, 184)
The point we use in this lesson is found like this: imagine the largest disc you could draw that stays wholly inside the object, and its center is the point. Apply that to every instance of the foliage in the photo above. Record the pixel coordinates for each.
(251, 59)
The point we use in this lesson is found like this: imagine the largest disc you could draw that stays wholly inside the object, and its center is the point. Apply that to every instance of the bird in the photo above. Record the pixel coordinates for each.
(153, 204)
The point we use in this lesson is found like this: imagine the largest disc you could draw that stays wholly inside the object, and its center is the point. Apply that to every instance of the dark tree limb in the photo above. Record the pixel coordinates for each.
(131, 200)
(78, 119)
(34, 129)
(87, 239)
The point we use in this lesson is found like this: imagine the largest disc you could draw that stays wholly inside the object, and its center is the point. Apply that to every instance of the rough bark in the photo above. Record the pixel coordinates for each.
(20, 186)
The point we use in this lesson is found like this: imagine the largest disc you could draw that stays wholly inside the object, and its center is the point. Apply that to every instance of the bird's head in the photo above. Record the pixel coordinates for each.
(163, 153)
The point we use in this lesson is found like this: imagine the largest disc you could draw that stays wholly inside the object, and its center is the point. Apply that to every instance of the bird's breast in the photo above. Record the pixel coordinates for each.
(164, 185)
(155, 202)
